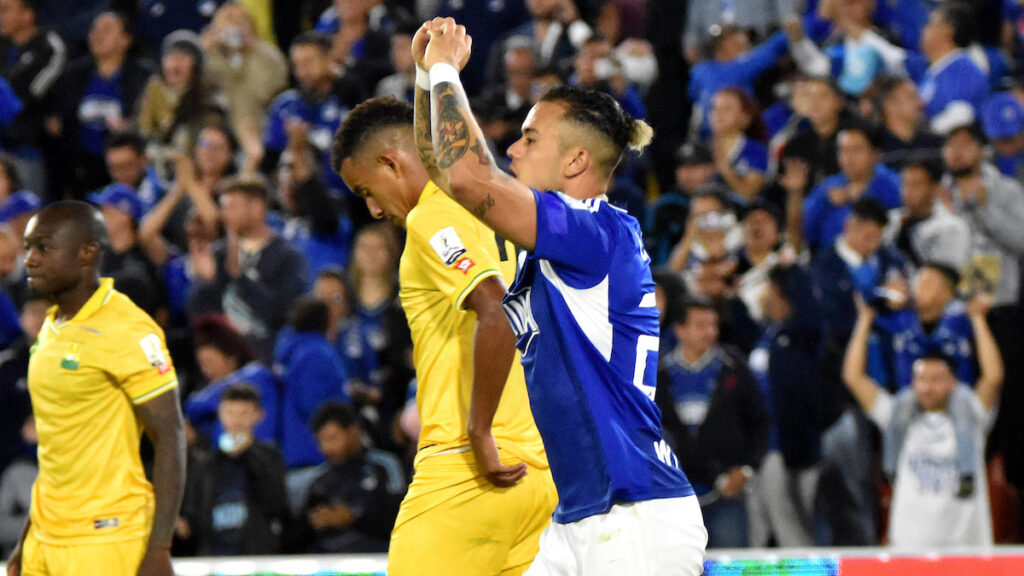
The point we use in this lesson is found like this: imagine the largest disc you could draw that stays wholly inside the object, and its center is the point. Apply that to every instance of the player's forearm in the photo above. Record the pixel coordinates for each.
(162, 420)
(493, 354)
(424, 143)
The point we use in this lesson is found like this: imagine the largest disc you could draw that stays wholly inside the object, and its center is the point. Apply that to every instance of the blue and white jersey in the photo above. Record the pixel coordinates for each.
(583, 310)
(324, 117)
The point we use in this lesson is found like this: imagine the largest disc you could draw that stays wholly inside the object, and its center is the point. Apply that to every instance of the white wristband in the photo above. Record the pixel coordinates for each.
(422, 78)
(442, 72)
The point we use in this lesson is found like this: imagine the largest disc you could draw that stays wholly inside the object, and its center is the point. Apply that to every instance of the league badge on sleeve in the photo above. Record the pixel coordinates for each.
(154, 350)
(448, 245)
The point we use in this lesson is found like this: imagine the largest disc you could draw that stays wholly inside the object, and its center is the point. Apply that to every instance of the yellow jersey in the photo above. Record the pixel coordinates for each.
(84, 376)
(447, 254)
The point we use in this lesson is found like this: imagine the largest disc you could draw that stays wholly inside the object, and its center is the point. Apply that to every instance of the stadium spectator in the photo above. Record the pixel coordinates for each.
(505, 105)
(861, 176)
(556, 30)
(703, 19)
(352, 502)
(308, 115)
(16, 481)
(98, 95)
(252, 275)
(711, 229)
(596, 67)
(179, 101)
(249, 70)
(785, 367)
(312, 373)
(128, 164)
(1002, 119)
(934, 438)
(201, 175)
(360, 33)
(235, 504)
(715, 417)
(225, 360)
(737, 141)
(491, 22)
(762, 234)
(32, 58)
(902, 115)
(400, 83)
(816, 142)
(667, 217)
(924, 229)
(952, 75)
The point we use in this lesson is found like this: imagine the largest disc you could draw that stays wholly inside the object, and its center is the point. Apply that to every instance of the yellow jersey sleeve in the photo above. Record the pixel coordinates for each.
(144, 370)
(453, 250)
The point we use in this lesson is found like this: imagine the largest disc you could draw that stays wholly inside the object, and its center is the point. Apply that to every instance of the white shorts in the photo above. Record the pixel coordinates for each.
(664, 537)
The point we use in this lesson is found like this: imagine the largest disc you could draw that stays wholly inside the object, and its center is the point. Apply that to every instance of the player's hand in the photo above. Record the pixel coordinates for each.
(14, 562)
(419, 43)
(157, 561)
(449, 43)
(485, 451)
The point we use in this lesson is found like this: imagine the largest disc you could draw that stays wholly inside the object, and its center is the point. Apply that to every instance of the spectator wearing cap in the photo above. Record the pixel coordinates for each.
(861, 176)
(98, 95)
(786, 369)
(762, 235)
(124, 259)
(905, 132)
(303, 120)
(924, 229)
(1002, 119)
(32, 58)
(17, 209)
(714, 416)
(225, 360)
(179, 101)
(667, 217)
(993, 206)
(952, 76)
(252, 275)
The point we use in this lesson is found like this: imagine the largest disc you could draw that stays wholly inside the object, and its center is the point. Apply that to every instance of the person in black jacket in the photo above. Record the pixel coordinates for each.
(715, 418)
(31, 59)
(352, 503)
(785, 366)
(235, 503)
(98, 94)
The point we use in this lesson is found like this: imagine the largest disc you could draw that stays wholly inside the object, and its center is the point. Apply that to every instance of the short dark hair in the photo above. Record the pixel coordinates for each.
(951, 275)
(127, 139)
(217, 331)
(870, 210)
(686, 304)
(364, 122)
(936, 354)
(308, 314)
(872, 134)
(601, 112)
(9, 165)
(960, 17)
(929, 162)
(333, 411)
(242, 392)
(85, 219)
(252, 186)
(312, 38)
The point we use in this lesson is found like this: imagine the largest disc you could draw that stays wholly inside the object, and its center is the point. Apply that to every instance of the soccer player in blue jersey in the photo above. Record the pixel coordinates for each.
(583, 309)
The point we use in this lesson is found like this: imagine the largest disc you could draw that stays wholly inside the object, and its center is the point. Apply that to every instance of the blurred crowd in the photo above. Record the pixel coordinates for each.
(834, 198)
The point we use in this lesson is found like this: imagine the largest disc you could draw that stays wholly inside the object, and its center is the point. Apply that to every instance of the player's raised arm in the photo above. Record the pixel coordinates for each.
(465, 168)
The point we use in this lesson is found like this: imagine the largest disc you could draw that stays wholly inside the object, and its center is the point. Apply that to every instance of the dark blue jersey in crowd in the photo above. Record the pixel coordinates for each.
(103, 99)
(583, 310)
(823, 220)
(952, 335)
(692, 385)
(323, 116)
(759, 365)
(201, 407)
(359, 357)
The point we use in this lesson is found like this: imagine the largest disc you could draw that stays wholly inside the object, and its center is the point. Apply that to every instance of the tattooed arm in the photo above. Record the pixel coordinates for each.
(421, 103)
(460, 152)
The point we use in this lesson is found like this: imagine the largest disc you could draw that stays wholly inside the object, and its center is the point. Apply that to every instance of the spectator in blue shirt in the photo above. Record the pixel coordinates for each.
(738, 136)
(360, 33)
(1002, 119)
(952, 76)
(597, 68)
(731, 62)
(127, 163)
(861, 176)
(350, 338)
(312, 374)
(307, 116)
(98, 94)
(224, 360)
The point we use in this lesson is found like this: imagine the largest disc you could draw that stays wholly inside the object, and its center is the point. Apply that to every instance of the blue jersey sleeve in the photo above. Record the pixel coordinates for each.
(275, 138)
(571, 236)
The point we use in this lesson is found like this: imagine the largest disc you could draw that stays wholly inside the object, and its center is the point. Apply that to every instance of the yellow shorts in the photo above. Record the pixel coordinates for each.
(113, 559)
(454, 523)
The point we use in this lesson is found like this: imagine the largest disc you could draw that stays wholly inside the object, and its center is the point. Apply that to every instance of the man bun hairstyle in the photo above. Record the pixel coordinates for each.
(365, 121)
(600, 112)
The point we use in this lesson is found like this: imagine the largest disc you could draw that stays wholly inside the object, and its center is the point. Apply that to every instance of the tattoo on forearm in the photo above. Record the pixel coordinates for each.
(424, 146)
(483, 155)
(484, 206)
(450, 129)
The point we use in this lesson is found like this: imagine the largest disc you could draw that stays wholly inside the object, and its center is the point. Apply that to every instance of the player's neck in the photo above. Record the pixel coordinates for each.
(70, 301)
(584, 187)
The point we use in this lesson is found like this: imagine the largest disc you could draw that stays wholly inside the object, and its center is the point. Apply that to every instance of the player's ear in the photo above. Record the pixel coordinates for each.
(88, 253)
(388, 160)
(579, 161)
